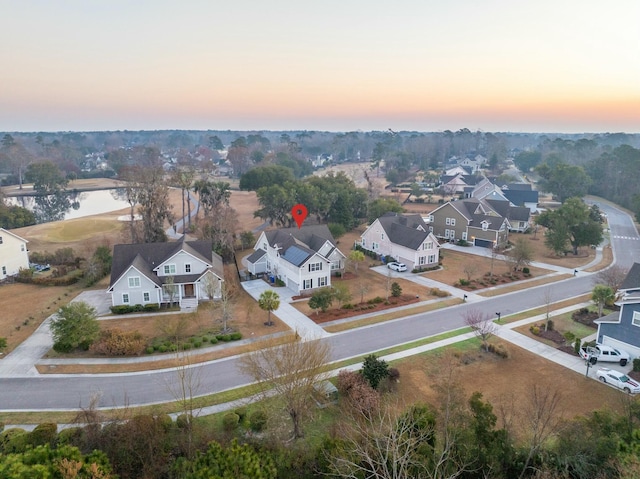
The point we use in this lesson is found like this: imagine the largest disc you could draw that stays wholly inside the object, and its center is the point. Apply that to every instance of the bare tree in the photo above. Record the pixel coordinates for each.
(542, 418)
(613, 276)
(548, 299)
(494, 255)
(481, 324)
(290, 371)
(184, 389)
(170, 288)
(470, 269)
(363, 288)
(387, 444)
(224, 305)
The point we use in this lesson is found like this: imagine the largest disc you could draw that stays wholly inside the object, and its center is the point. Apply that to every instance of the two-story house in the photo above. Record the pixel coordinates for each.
(303, 258)
(13, 254)
(406, 238)
(622, 329)
(470, 220)
(183, 272)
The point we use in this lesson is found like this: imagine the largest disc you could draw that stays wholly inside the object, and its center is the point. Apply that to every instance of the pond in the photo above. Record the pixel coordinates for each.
(71, 204)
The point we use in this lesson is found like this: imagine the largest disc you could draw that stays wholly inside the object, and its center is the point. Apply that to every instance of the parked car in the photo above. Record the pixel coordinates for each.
(394, 265)
(603, 353)
(618, 379)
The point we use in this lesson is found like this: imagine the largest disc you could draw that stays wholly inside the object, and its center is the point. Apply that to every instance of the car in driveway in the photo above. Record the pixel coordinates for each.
(618, 379)
(394, 265)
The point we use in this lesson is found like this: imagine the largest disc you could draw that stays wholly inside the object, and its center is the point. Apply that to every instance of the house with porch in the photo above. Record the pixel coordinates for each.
(622, 329)
(302, 258)
(13, 254)
(406, 238)
(184, 272)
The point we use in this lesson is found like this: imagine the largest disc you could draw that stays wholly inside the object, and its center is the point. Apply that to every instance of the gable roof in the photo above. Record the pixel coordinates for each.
(403, 229)
(520, 197)
(303, 242)
(2, 230)
(632, 280)
(146, 257)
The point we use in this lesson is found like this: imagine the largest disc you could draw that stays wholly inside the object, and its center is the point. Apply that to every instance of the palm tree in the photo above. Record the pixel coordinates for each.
(269, 301)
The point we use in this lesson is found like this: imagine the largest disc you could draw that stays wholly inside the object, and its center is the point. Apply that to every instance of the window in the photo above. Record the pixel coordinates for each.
(335, 266)
(421, 260)
(322, 281)
(134, 282)
(146, 297)
(169, 269)
(636, 318)
(428, 245)
(448, 221)
(307, 284)
(430, 229)
(315, 267)
(430, 219)
(485, 226)
(264, 246)
(21, 247)
(364, 242)
(382, 236)
(375, 246)
(464, 235)
(125, 298)
(187, 268)
(453, 221)
(432, 258)
(0, 239)
(446, 233)
(4, 270)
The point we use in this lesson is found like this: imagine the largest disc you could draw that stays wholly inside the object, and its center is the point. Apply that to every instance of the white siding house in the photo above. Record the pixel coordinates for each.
(13, 254)
(406, 238)
(160, 273)
(303, 258)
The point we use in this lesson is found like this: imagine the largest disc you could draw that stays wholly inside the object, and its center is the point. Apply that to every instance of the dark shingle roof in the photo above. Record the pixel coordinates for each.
(632, 279)
(520, 197)
(147, 256)
(307, 240)
(256, 255)
(402, 229)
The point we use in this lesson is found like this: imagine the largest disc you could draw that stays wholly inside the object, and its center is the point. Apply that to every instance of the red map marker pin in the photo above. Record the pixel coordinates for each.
(299, 213)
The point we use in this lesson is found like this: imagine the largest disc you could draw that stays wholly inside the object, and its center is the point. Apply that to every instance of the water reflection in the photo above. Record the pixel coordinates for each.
(72, 204)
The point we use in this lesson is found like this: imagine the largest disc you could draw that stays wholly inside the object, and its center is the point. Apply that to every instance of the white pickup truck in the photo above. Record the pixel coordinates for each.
(602, 353)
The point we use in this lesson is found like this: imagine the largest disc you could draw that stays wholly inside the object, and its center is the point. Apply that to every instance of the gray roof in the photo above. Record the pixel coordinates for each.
(307, 240)
(520, 197)
(632, 280)
(256, 255)
(147, 256)
(402, 229)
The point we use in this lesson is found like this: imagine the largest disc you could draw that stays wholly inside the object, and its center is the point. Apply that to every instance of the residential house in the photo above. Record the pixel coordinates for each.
(13, 253)
(472, 220)
(521, 194)
(456, 184)
(302, 258)
(182, 272)
(622, 329)
(406, 238)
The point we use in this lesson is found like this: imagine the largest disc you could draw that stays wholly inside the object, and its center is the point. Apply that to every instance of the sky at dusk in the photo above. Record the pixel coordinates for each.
(334, 65)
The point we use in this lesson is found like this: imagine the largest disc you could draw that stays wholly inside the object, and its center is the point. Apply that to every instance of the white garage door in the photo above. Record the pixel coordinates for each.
(633, 351)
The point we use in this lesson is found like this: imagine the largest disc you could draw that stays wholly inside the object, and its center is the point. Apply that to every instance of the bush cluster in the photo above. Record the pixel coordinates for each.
(438, 293)
(135, 308)
(636, 364)
(194, 342)
(376, 300)
(499, 350)
(115, 342)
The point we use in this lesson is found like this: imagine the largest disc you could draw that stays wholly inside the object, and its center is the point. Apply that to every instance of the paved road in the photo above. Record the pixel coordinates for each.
(70, 392)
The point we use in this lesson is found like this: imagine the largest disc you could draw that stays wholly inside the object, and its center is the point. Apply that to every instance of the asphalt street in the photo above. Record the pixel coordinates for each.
(61, 392)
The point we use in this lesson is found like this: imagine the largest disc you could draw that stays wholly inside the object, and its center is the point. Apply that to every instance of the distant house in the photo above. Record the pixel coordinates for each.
(521, 194)
(302, 258)
(160, 273)
(13, 253)
(471, 220)
(622, 329)
(406, 238)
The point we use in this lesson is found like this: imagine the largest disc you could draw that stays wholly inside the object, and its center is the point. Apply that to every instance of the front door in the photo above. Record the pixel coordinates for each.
(188, 291)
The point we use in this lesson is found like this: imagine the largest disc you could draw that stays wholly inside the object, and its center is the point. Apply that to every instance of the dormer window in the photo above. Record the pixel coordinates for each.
(485, 226)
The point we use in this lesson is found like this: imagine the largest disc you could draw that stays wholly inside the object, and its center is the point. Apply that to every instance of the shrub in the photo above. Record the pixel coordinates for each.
(569, 336)
(499, 350)
(394, 374)
(374, 370)
(535, 330)
(347, 306)
(3, 344)
(257, 420)
(396, 290)
(149, 350)
(115, 342)
(357, 393)
(151, 307)
(197, 344)
(464, 282)
(121, 309)
(549, 325)
(213, 340)
(183, 421)
(636, 365)
(376, 300)
(241, 412)
(44, 433)
(14, 440)
(576, 345)
(235, 336)
(526, 270)
(71, 436)
(224, 337)
(230, 421)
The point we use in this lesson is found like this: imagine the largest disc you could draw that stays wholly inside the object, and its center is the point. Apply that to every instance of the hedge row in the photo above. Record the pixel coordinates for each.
(136, 308)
